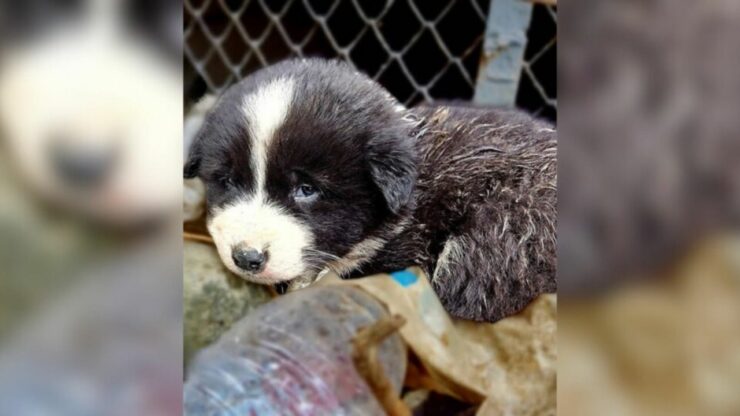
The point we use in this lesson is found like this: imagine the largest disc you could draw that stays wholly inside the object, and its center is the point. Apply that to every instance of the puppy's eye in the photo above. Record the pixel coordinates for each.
(305, 192)
(227, 182)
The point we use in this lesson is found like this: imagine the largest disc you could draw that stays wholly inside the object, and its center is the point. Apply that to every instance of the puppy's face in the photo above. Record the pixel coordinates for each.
(302, 162)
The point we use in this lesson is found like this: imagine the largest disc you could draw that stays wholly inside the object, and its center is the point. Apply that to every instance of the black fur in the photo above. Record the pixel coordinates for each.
(412, 178)
(487, 181)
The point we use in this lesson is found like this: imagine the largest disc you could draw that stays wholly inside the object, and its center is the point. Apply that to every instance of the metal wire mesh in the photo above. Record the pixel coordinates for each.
(538, 85)
(420, 50)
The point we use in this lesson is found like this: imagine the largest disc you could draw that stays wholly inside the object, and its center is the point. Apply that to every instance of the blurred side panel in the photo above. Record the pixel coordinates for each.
(649, 194)
(90, 207)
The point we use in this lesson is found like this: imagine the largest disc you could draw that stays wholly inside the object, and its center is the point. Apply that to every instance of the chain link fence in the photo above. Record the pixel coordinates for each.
(537, 90)
(420, 50)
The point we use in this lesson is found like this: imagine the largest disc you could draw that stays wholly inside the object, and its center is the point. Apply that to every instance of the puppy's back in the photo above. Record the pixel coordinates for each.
(487, 185)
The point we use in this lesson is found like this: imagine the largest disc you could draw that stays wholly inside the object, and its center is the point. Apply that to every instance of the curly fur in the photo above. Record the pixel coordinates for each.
(485, 211)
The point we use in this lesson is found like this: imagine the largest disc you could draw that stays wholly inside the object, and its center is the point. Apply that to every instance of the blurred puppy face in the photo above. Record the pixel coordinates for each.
(90, 110)
(302, 161)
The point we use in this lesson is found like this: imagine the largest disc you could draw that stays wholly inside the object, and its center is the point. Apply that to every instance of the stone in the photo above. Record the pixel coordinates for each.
(213, 297)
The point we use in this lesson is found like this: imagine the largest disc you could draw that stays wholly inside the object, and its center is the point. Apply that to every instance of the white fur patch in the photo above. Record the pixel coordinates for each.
(360, 253)
(343, 266)
(452, 252)
(252, 221)
(263, 226)
(265, 110)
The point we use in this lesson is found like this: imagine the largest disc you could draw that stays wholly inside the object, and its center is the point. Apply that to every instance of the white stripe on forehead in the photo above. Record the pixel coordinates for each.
(265, 110)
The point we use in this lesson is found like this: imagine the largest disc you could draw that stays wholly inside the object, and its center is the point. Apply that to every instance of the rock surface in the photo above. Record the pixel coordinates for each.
(213, 297)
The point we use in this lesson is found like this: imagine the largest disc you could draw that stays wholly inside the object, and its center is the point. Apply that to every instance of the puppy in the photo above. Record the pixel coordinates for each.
(310, 165)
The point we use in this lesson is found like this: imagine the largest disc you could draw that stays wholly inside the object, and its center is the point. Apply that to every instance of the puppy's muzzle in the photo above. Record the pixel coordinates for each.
(249, 259)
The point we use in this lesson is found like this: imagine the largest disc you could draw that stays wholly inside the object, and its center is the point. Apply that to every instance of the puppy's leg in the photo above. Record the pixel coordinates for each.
(496, 264)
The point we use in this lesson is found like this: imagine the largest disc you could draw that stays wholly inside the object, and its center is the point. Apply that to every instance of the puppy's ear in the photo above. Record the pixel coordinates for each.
(392, 163)
(192, 164)
(194, 132)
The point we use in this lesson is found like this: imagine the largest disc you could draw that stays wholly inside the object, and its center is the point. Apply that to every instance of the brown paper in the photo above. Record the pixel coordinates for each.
(508, 366)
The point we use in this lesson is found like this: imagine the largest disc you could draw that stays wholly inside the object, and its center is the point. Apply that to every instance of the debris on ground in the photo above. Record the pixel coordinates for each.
(300, 347)
(294, 355)
(214, 299)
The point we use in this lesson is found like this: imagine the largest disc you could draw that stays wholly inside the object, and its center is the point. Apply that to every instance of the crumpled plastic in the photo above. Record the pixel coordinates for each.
(509, 367)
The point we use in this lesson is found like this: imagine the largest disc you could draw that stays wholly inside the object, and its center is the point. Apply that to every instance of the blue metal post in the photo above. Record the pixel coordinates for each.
(503, 52)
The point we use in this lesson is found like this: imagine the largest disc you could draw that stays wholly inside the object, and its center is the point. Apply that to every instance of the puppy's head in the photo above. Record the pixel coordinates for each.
(302, 161)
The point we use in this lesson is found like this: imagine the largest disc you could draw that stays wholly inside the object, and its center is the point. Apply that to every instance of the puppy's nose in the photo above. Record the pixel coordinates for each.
(81, 167)
(249, 259)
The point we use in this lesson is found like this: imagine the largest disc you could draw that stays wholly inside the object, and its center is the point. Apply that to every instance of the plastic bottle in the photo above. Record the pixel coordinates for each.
(292, 356)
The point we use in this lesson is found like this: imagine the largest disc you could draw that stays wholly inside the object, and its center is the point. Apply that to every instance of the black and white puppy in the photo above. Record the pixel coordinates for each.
(311, 165)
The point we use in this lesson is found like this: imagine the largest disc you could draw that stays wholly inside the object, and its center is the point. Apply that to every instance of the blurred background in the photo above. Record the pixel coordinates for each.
(90, 206)
(648, 208)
